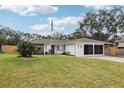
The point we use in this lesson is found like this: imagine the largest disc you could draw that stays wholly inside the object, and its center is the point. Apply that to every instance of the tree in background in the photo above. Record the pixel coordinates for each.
(103, 25)
(77, 35)
(9, 35)
(59, 35)
(1, 40)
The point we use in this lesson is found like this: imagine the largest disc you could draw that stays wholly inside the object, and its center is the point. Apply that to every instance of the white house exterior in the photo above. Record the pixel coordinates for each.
(78, 47)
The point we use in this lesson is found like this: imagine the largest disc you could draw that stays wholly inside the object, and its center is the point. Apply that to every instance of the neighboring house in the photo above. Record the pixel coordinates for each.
(120, 46)
(77, 47)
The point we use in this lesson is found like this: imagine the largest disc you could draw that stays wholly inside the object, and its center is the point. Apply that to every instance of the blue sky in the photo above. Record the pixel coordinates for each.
(36, 19)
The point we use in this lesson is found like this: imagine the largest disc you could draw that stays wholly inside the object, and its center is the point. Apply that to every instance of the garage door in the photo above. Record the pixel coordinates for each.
(98, 49)
(88, 49)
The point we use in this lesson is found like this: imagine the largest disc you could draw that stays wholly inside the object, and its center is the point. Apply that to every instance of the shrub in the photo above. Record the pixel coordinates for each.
(64, 53)
(25, 48)
(37, 50)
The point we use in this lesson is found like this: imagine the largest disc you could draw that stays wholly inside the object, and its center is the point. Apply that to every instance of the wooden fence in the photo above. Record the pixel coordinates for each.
(113, 51)
(110, 51)
(9, 48)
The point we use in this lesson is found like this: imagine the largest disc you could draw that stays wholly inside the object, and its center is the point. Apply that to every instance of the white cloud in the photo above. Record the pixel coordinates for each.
(60, 24)
(25, 10)
(97, 7)
(65, 21)
(45, 29)
(40, 27)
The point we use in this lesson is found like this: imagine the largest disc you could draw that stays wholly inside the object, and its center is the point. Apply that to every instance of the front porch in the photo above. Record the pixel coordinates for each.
(54, 49)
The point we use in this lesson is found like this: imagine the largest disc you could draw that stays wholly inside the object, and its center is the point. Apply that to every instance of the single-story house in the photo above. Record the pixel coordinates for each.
(120, 46)
(76, 47)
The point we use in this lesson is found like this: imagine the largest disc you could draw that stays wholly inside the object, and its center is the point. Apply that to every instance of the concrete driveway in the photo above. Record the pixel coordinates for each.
(109, 58)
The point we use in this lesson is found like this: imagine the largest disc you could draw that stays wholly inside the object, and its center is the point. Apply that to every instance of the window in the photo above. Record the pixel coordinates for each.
(98, 49)
(61, 47)
(58, 47)
(88, 49)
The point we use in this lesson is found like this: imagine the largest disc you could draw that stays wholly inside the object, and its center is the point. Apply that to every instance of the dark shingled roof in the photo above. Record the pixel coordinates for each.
(47, 41)
(90, 40)
(57, 41)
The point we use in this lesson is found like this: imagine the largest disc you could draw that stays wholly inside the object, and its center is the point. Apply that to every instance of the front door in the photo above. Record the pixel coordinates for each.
(52, 49)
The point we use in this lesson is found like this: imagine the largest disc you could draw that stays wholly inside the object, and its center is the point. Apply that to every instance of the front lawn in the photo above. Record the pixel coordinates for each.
(59, 71)
(122, 56)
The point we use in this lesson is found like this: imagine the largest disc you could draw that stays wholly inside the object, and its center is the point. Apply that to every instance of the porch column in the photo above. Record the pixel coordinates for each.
(2, 48)
(44, 48)
(75, 49)
(83, 49)
(93, 49)
(103, 49)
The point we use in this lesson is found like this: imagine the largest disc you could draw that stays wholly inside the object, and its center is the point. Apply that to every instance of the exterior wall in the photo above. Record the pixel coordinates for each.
(61, 49)
(79, 50)
(47, 48)
(59, 52)
(121, 44)
(70, 49)
(120, 51)
(56, 49)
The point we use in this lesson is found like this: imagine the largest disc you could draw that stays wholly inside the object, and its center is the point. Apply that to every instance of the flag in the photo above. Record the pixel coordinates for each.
(51, 25)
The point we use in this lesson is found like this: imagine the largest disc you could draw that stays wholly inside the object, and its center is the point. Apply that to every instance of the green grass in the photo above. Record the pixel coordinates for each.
(59, 71)
(122, 56)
